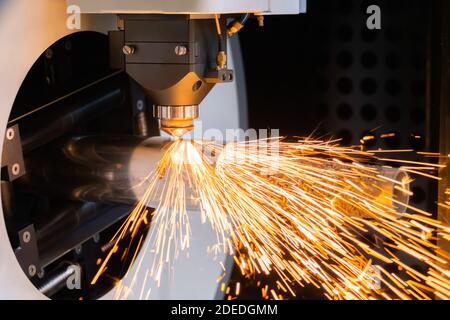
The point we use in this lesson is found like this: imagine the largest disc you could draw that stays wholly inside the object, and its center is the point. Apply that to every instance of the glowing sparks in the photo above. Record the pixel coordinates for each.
(303, 211)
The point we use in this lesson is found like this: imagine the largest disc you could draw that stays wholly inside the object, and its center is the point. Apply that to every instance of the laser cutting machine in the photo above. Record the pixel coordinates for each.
(92, 91)
(84, 84)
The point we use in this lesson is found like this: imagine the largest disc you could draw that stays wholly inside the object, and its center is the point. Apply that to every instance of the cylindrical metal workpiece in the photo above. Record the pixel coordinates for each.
(102, 169)
(390, 189)
(51, 121)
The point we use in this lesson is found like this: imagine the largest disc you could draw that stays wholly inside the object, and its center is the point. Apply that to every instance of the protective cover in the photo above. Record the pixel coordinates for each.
(191, 6)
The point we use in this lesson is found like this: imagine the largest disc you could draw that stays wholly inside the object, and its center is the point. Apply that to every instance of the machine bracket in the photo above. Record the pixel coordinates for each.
(13, 165)
(27, 253)
(219, 76)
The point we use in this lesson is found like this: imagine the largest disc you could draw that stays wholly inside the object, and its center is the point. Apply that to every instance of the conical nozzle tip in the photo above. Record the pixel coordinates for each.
(176, 120)
(176, 132)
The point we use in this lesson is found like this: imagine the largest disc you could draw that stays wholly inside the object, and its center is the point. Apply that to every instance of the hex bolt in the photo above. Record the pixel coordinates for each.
(10, 134)
(32, 270)
(180, 50)
(15, 169)
(128, 50)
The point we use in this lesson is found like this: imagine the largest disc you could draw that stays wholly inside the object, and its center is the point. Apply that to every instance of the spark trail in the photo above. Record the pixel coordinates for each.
(304, 211)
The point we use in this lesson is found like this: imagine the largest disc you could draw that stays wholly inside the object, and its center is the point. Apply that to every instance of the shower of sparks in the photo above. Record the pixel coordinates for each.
(304, 211)
(181, 179)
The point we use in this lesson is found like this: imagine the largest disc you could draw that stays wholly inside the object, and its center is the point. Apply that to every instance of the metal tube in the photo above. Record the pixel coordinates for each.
(99, 169)
(110, 170)
(389, 192)
(93, 219)
(51, 121)
(50, 230)
(384, 192)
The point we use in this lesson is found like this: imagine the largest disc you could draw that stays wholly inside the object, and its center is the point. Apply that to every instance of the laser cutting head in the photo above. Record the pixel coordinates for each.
(177, 50)
(177, 68)
(176, 120)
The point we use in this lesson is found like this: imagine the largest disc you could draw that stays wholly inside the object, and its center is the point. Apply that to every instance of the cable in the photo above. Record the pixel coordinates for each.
(237, 24)
(221, 57)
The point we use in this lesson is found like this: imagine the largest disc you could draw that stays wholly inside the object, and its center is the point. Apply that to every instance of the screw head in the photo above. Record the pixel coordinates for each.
(180, 50)
(15, 169)
(96, 238)
(10, 133)
(26, 237)
(78, 250)
(49, 54)
(32, 270)
(41, 274)
(140, 105)
(128, 50)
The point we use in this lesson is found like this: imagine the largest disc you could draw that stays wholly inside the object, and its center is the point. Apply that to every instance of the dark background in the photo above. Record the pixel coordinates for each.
(325, 67)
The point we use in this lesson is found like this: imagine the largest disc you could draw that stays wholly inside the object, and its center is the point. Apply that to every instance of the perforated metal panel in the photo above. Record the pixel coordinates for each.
(327, 72)
(377, 77)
